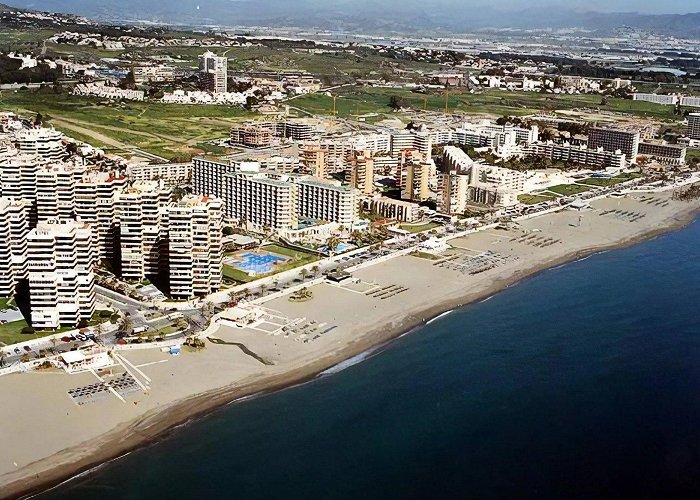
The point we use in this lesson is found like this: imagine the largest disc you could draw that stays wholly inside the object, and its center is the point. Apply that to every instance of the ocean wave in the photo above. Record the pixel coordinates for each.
(439, 316)
(343, 365)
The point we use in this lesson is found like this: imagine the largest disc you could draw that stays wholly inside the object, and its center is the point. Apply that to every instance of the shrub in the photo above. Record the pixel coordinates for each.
(28, 330)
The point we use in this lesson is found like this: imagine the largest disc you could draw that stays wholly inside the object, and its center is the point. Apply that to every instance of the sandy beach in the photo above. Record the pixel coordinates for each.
(48, 438)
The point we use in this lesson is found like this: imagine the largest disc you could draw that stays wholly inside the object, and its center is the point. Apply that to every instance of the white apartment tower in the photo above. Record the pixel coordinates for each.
(143, 245)
(96, 205)
(14, 227)
(213, 71)
(60, 261)
(55, 191)
(47, 143)
(193, 227)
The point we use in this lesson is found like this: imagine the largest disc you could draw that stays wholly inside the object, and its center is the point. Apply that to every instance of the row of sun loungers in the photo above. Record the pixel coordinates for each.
(625, 215)
(537, 240)
(650, 200)
(123, 385)
(386, 292)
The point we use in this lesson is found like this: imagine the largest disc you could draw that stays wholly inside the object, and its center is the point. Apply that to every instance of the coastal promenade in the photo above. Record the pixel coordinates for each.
(298, 340)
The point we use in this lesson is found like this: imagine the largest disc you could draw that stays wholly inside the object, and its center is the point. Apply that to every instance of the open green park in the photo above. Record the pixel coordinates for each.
(419, 228)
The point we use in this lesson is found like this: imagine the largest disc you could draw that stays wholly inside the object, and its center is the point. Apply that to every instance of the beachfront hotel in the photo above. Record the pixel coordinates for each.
(327, 201)
(14, 227)
(208, 176)
(613, 139)
(143, 246)
(694, 125)
(193, 228)
(60, 261)
(256, 200)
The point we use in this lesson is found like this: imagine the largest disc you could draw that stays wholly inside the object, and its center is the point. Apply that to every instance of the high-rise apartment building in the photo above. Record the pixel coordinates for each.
(55, 190)
(60, 261)
(361, 172)
(193, 227)
(14, 227)
(208, 176)
(213, 72)
(96, 205)
(47, 143)
(144, 249)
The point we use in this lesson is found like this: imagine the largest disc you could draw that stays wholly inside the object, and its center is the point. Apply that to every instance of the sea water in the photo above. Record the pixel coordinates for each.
(582, 382)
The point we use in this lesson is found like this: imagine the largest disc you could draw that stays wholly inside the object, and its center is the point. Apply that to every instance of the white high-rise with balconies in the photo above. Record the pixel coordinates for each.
(193, 227)
(96, 197)
(143, 245)
(60, 260)
(47, 143)
(14, 227)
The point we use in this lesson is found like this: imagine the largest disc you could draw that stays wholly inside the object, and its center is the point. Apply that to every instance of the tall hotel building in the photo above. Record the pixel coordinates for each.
(14, 227)
(60, 261)
(144, 248)
(55, 190)
(259, 201)
(327, 201)
(193, 228)
(694, 125)
(208, 176)
(611, 139)
(44, 142)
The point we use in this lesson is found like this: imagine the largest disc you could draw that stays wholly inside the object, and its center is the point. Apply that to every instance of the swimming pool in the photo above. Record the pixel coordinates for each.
(257, 263)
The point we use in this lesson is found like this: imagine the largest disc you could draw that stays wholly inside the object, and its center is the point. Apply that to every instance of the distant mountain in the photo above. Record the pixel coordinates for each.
(362, 15)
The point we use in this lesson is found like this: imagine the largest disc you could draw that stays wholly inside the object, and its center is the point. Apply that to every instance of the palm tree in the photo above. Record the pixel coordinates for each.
(263, 289)
(304, 273)
(125, 327)
(356, 238)
(316, 270)
(332, 244)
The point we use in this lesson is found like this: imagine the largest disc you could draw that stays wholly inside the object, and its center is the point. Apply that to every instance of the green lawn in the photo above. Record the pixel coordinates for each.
(601, 181)
(419, 228)
(568, 189)
(533, 199)
(7, 303)
(11, 333)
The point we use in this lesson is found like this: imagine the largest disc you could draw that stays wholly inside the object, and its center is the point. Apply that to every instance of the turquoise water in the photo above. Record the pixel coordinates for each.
(582, 382)
(257, 263)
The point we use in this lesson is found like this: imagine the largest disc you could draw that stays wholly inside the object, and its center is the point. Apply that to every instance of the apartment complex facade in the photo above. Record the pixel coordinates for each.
(60, 261)
(193, 227)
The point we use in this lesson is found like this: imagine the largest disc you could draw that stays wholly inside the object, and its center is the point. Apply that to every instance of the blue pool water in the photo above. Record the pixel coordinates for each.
(259, 264)
(582, 382)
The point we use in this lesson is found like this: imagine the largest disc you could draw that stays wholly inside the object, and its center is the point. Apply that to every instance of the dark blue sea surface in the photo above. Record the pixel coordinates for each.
(582, 382)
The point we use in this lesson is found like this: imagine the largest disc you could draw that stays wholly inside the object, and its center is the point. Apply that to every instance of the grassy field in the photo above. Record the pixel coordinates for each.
(361, 100)
(533, 199)
(568, 189)
(166, 130)
(419, 228)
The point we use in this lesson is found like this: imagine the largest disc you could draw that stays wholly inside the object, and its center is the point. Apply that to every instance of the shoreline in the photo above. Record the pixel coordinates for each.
(160, 423)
